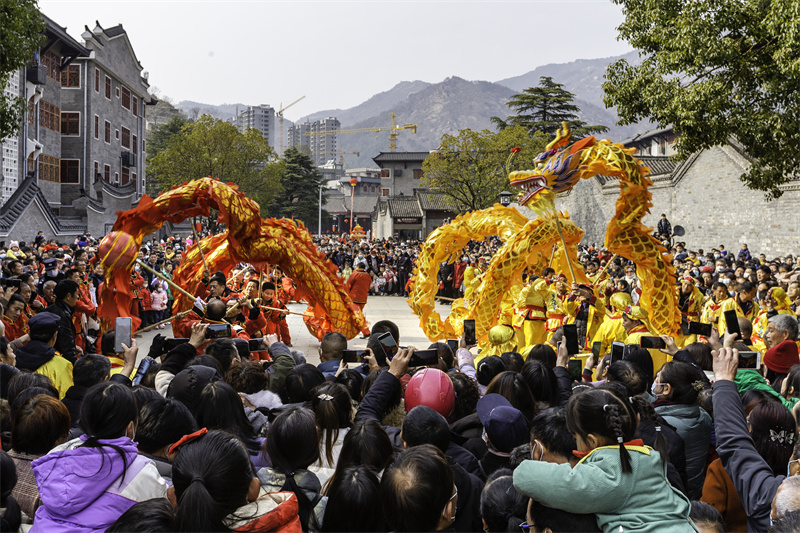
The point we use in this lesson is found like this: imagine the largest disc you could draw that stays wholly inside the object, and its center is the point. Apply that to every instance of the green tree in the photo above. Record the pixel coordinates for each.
(544, 108)
(471, 168)
(301, 183)
(715, 69)
(211, 147)
(157, 141)
(21, 33)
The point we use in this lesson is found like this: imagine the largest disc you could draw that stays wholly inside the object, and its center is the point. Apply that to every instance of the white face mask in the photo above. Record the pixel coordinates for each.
(53, 272)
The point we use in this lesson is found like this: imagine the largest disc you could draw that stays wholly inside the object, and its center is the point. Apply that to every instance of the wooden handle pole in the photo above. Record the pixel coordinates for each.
(199, 248)
(284, 311)
(171, 283)
(564, 244)
(603, 270)
(153, 326)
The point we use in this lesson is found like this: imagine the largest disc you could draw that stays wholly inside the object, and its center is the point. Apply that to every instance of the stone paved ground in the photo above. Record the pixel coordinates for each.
(378, 308)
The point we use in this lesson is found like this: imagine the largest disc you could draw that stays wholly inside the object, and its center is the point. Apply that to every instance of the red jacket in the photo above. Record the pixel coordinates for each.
(358, 285)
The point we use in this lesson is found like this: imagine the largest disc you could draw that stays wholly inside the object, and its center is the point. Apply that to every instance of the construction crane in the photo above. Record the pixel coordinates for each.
(280, 119)
(393, 129)
(342, 154)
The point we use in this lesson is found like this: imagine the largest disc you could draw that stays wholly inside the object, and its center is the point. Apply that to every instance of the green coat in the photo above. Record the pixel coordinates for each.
(751, 379)
(641, 501)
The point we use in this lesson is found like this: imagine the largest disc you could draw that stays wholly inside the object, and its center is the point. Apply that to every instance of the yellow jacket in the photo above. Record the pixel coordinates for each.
(712, 310)
(59, 370)
(635, 337)
(472, 281)
(597, 312)
(609, 331)
(733, 304)
(530, 302)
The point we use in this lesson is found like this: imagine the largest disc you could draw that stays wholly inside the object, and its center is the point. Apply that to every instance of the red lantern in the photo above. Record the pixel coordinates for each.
(353, 181)
(117, 250)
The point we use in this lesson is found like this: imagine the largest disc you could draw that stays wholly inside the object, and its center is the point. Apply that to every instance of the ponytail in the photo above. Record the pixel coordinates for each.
(197, 510)
(614, 420)
(647, 412)
(332, 408)
(308, 518)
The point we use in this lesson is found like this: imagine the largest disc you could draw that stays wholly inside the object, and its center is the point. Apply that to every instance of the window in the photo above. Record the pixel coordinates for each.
(49, 116)
(107, 173)
(70, 170)
(126, 98)
(53, 63)
(417, 173)
(116, 91)
(49, 168)
(31, 111)
(126, 176)
(96, 127)
(96, 172)
(133, 177)
(385, 173)
(71, 77)
(116, 178)
(108, 132)
(116, 134)
(135, 145)
(97, 80)
(70, 124)
(144, 150)
(384, 192)
(108, 87)
(126, 137)
(135, 107)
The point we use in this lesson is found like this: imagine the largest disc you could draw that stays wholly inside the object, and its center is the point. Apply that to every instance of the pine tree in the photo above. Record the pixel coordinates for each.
(301, 183)
(544, 108)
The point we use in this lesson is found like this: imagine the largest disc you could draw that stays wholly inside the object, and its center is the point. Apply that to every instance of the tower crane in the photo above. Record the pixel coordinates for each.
(280, 119)
(342, 154)
(393, 129)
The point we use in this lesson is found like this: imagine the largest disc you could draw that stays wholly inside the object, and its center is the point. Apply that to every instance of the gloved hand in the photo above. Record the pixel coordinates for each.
(157, 347)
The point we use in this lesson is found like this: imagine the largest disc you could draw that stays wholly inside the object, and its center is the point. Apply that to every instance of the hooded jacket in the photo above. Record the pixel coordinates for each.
(41, 358)
(693, 424)
(270, 512)
(87, 489)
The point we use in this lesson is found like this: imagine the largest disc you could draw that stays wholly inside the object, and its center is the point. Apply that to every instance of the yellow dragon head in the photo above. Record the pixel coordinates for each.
(557, 169)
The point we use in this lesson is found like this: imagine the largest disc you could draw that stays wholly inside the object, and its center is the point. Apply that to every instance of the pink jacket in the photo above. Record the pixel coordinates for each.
(159, 300)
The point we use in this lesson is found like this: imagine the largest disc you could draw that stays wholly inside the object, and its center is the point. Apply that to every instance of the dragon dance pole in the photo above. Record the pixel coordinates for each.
(552, 254)
(172, 284)
(170, 319)
(199, 248)
(564, 244)
(603, 270)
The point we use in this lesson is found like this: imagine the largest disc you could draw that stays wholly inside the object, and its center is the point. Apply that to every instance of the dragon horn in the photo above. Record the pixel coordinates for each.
(563, 136)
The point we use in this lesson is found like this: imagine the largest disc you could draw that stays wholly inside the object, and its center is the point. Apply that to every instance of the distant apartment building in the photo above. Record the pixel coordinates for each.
(261, 118)
(78, 157)
(320, 137)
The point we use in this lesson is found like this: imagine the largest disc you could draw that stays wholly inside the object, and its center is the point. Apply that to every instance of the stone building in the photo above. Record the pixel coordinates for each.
(81, 143)
(703, 193)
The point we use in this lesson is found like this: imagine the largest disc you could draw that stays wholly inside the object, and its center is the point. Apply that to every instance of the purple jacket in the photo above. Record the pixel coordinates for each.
(86, 489)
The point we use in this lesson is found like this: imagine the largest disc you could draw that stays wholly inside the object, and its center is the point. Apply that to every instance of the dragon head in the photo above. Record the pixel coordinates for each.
(556, 169)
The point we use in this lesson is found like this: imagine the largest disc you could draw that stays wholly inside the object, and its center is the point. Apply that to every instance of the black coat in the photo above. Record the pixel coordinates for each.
(65, 342)
(73, 399)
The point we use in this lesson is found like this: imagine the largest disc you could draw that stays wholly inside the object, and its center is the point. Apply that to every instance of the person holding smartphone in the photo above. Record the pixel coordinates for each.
(635, 321)
(690, 300)
(585, 310)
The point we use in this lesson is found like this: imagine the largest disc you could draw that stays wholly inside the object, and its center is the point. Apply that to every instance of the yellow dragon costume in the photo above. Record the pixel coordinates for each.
(527, 242)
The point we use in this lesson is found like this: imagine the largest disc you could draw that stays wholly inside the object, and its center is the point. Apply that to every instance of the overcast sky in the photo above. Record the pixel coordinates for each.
(338, 54)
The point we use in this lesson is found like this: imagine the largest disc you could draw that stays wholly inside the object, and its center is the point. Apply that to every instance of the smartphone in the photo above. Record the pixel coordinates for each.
(453, 344)
(596, 350)
(388, 344)
(14, 282)
(652, 342)
(171, 344)
(144, 366)
(255, 345)
(749, 360)
(732, 323)
(469, 332)
(699, 328)
(122, 333)
(571, 338)
(575, 367)
(424, 358)
(218, 331)
(354, 356)
(617, 351)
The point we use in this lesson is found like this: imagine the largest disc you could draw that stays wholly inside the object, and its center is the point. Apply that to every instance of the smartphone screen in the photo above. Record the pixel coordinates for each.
(596, 346)
(699, 328)
(575, 369)
(353, 356)
(749, 360)
(388, 344)
(732, 323)
(218, 331)
(652, 342)
(424, 358)
(255, 345)
(571, 338)
(170, 344)
(453, 344)
(122, 333)
(469, 331)
(617, 351)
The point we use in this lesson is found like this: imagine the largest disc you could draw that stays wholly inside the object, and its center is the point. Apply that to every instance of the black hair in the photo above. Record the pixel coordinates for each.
(332, 410)
(15, 298)
(772, 428)
(706, 516)
(423, 425)
(332, 345)
(543, 353)
(39, 423)
(467, 395)
(604, 413)
(352, 380)
(686, 381)
(513, 387)
(641, 358)
(541, 381)
(550, 428)
(392, 401)
(205, 360)
(211, 476)
(224, 351)
(28, 380)
(701, 354)
(386, 326)
(163, 421)
(502, 507)
(149, 516)
(416, 488)
(562, 521)
(628, 374)
(248, 377)
(513, 361)
(488, 368)
(792, 381)
(107, 342)
(12, 517)
(352, 502)
(518, 455)
(445, 354)
(787, 523)
(107, 410)
(91, 369)
(301, 381)
(366, 444)
(64, 288)
(220, 407)
(292, 445)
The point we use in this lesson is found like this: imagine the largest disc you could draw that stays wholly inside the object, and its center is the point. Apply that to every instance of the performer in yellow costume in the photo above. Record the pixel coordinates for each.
(743, 303)
(713, 307)
(583, 301)
(690, 300)
(612, 328)
(472, 280)
(554, 303)
(634, 319)
(532, 312)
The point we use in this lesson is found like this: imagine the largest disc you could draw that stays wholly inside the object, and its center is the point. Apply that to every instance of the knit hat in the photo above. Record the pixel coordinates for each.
(782, 357)
(13, 244)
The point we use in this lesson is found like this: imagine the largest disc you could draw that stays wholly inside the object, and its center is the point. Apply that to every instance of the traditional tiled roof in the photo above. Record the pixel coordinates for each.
(387, 157)
(658, 164)
(435, 201)
(404, 207)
